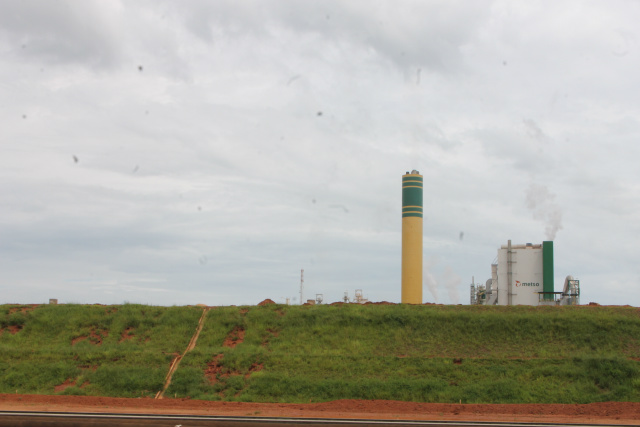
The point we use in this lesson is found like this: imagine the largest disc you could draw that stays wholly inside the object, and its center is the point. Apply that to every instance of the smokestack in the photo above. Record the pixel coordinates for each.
(547, 269)
(412, 238)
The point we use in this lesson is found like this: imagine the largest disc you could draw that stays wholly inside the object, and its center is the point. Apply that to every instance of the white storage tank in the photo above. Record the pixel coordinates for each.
(520, 276)
(523, 275)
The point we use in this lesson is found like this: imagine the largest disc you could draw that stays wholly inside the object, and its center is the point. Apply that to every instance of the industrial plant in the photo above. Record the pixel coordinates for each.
(524, 275)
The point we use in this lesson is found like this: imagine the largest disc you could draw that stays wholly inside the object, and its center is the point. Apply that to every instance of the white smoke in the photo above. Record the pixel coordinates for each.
(452, 280)
(428, 278)
(430, 281)
(542, 204)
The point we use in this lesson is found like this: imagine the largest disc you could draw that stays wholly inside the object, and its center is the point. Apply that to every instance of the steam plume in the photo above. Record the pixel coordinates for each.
(542, 204)
(428, 278)
(452, 280)
(430, 281)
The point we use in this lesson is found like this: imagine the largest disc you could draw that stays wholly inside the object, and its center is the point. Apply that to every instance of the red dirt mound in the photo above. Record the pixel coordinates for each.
(267, 302)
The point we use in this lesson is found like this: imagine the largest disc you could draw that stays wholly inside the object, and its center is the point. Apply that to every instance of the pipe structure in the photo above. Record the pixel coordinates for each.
(412, 238)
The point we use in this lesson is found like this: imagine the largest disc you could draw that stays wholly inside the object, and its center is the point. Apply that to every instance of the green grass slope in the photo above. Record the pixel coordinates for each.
(110, 351)
(276, 353)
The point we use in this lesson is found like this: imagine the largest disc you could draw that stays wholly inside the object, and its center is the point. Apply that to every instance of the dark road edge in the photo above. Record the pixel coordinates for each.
(82, 419)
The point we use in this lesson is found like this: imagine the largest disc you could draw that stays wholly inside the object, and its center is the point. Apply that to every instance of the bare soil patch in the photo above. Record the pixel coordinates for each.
(235, 337)
(25, 309)
(14, 329)
(95, 337)
(595, 413)
(273, 332)
(255, 367)
(66, 384)
(214, 370)
(127, 334)
(76, 340)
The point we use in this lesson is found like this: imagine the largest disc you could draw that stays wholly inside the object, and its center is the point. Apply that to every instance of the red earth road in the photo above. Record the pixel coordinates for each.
(593, 413)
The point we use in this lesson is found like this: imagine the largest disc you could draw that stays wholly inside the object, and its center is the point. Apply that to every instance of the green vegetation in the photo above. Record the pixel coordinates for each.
(112, 351)
(275, 353)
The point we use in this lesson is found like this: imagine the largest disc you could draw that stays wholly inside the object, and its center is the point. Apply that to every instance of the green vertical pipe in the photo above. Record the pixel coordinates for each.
(547, 269)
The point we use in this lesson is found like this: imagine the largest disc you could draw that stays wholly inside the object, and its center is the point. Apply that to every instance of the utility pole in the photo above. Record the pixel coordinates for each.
(301, 286)
(509, 274)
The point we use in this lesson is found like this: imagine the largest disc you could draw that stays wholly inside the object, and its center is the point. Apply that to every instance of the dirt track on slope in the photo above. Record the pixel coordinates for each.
(177, 359)
(594, 413)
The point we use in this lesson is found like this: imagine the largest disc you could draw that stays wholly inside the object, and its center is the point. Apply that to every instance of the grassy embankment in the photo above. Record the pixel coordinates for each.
(298, 354)
(111, 351)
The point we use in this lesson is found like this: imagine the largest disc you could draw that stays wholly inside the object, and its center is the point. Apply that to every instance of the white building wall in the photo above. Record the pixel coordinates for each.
(526, 264)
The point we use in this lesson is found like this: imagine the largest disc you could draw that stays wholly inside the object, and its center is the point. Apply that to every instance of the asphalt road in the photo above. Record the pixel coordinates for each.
(68, 419)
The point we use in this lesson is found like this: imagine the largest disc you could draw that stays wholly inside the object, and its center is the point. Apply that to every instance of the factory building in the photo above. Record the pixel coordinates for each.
(524, 275)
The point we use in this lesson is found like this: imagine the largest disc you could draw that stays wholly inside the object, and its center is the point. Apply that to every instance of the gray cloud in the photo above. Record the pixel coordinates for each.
(410, 34)
(209, 176)
(534, 131)
(64, 32)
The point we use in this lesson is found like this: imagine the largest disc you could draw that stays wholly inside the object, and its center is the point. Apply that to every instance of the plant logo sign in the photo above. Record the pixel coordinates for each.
(519, 283)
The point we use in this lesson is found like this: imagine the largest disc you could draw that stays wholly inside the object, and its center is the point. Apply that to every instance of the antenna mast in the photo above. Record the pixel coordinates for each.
(301, 285)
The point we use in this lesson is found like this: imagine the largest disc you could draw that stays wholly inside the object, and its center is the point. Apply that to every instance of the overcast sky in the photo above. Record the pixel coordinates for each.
(183, 152)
